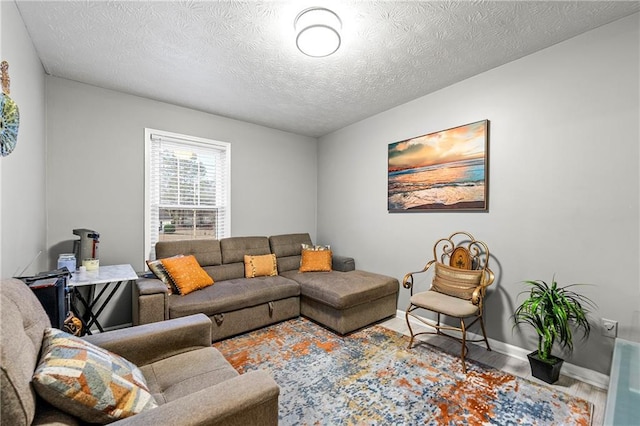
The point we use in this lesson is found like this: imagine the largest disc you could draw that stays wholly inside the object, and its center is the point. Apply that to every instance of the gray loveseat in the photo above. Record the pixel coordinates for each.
(343, 300)
(190, 380)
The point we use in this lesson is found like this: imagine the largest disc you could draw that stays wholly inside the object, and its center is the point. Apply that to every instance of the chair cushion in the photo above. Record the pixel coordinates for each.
(260, 266)
(183, 374)
(448, 305)
(87, 381)
(456, 282)
(186, 274)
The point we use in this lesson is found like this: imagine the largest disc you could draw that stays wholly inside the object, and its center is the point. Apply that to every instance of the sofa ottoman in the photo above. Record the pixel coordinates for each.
(345, 301)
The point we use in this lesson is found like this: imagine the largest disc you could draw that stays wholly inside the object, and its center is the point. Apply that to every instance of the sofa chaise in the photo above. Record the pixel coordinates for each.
(191, 382)
(343, 299)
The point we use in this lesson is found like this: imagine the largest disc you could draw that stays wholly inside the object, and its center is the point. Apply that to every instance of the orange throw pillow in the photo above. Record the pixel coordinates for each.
(186, 274)
(315, 261)
(260, 266)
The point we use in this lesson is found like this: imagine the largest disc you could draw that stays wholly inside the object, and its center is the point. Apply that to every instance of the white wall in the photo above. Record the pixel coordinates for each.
(564, 181)
(22, 173)
(96, 172)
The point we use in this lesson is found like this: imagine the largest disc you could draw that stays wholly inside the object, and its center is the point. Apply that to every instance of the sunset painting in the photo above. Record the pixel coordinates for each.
(446, 170)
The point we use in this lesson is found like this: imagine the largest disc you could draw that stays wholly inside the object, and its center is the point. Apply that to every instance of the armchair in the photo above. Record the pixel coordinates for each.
(461, 276)
(190, 380)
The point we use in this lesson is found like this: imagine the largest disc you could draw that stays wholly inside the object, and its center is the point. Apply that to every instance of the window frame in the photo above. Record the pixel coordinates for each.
(149, 247)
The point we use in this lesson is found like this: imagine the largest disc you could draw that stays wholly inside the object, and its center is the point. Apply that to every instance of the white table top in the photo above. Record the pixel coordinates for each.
(104, 274)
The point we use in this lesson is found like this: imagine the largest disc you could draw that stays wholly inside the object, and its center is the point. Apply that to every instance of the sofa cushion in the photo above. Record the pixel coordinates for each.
(234, 294)
(206, 252)
(183, 374)
(342, 290)
(158, 270)
(225, 272)
(22, 324)
(234, 248)
(287, 248)
(288, 244)
(315, 261)
(186, 274)
(260, 266)
(87, 381)
(315, 247)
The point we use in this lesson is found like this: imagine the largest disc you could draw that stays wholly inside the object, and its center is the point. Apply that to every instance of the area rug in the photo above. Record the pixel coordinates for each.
(370, 378)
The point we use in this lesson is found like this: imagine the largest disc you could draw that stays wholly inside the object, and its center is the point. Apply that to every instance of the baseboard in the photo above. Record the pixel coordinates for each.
(574, 371)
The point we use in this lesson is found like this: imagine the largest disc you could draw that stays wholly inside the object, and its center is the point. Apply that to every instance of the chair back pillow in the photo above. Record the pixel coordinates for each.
(456, 282)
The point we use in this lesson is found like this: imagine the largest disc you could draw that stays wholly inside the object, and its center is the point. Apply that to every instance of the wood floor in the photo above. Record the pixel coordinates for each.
(517, 367)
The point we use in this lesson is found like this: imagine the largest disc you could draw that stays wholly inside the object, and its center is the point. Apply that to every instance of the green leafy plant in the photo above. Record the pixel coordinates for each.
(552, 311)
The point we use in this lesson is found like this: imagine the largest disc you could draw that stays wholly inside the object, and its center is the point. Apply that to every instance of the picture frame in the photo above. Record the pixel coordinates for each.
(446, 170)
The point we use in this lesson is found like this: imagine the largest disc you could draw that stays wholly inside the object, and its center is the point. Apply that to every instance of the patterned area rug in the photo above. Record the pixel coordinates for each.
(369, 377)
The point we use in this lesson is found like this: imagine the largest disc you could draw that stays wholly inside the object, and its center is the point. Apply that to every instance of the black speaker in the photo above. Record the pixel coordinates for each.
(51, 294)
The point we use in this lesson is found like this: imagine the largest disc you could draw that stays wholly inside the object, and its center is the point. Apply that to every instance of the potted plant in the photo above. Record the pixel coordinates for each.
(552, 311)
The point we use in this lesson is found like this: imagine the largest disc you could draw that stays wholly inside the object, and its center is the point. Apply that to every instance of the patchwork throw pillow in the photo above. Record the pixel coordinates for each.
(158, 270)
(186, 273)
(456, 282)
(87, 381)
(260, 266)
(315, 247)
(315, 261)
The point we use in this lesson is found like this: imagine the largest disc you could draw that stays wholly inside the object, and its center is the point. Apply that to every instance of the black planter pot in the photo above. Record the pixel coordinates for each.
(547, 371)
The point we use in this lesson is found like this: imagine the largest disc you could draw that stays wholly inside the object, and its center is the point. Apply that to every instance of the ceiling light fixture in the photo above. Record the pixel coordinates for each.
(318, 32)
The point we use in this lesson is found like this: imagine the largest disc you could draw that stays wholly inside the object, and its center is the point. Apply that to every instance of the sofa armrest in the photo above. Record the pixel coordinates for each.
(248, 399)
(343, 263)
(148, 343)
(149, 301)
(151, 286)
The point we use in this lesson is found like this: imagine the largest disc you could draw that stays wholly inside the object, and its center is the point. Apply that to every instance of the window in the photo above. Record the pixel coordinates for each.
(187, 188)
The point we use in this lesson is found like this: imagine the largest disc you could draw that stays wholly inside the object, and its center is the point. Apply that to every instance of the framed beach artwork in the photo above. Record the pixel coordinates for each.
(442, 171)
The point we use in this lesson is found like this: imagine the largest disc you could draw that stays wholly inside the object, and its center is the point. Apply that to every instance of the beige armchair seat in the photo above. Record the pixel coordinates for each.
(191, 381)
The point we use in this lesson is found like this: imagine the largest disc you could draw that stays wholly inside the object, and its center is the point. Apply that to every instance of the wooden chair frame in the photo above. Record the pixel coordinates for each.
(460, 250)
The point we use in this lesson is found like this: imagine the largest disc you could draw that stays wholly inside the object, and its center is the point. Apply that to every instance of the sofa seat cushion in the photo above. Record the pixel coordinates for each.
(343, 290)
(183, 374)
(231, 295)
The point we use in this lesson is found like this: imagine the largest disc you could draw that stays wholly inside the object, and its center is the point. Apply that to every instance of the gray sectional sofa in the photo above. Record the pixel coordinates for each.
(343, 300)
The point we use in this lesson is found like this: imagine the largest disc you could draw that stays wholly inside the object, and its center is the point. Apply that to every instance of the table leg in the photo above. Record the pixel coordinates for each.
(94, 320)
(75, 296)
(90, 316)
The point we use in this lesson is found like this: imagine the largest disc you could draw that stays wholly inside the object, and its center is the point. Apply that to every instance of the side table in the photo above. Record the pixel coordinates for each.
(111, 277)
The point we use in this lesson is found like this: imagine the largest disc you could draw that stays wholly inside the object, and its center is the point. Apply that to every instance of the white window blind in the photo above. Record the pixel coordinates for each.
(187, 188)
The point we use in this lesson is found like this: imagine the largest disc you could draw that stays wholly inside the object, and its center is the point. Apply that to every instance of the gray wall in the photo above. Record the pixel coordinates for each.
(564, 181)
(95, 172)
(22, 173)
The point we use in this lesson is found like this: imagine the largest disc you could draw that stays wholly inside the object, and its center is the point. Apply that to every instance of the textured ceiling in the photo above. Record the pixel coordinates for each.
(238, 58)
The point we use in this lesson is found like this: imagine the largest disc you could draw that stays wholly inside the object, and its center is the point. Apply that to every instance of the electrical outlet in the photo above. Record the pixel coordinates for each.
(609, 327)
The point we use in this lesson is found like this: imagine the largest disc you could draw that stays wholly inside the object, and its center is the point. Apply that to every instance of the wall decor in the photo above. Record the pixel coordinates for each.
(9, 115)
(442, 171)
